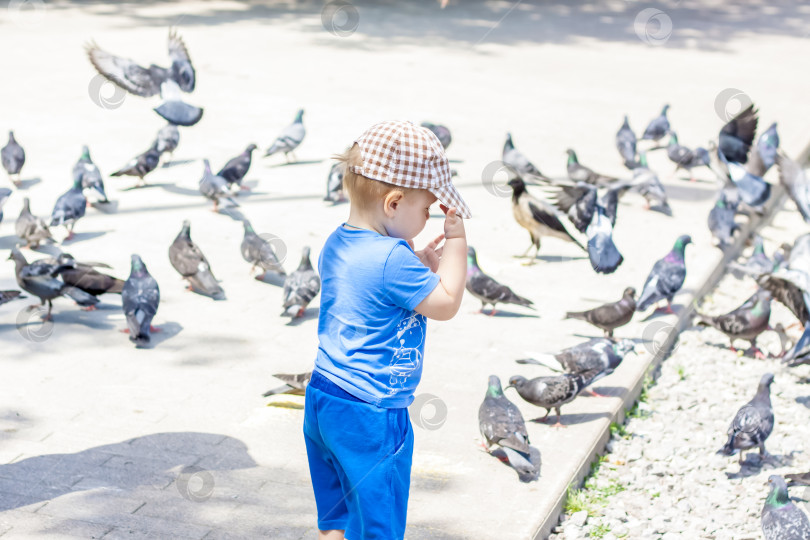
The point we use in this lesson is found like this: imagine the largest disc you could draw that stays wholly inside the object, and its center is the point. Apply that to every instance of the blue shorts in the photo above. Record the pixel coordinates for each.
(359, 460)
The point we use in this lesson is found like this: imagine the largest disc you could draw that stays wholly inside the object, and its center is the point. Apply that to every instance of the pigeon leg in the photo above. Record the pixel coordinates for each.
(559, 423)
(732, 349)
(757, 352)
(244, 188)
(155, 329)
(48, 316)
(89, 308)
(215, 209)
(493, 311)
(594, 393)
(741, 459)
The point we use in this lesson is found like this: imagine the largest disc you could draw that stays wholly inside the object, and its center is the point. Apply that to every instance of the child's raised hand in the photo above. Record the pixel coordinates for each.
(431, 254)
(453, 224)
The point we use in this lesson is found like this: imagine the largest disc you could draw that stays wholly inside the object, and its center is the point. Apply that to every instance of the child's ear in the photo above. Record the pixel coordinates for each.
(391, 202)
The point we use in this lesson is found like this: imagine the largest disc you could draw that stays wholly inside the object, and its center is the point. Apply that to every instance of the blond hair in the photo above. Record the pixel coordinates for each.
(364, 192)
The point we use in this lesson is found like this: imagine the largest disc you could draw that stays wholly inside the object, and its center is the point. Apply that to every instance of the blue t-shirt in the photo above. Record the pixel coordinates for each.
(371, 339)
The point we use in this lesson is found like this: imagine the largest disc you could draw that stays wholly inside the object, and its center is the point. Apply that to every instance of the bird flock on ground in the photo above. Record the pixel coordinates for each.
(580, 209)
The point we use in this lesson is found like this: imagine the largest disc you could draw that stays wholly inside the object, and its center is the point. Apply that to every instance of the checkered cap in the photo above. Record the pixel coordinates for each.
(406, 155)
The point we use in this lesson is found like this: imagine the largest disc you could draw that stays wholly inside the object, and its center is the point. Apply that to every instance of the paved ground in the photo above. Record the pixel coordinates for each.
(98, 437)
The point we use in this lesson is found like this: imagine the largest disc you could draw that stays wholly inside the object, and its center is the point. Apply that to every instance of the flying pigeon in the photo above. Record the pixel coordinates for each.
(140, 298)
(85, 277)
(168, 138)
(746, 322)
(486, 289)
(647, 183)
(42, 279)
(737, 136)
(658, 126)
(5, 193)
(795, 181)
(69, 208)
(721, 217)
(781, 519)
(334, 184)
(502, 425)
(553, 392)
(517, 161)
(192, 265)
(86, 172)
(289, 139)
(260, 252)
(686, 158)
(666, 277)
(753, 423)
(12, 156)
(30, 228)
(580, 173)
(141, 165)
(764, 155)
(610, 316)
(236, 168)
(537, 216)
(301, 287)
(626, 144)
(173, 109)
(754, 191)
(8, 296)
(791, 287)
(602, 354)
(214, 187)
(441, 132)
(296, 385)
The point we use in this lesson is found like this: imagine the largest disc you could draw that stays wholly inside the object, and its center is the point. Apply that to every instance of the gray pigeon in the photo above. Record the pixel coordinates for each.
(236, 168)
(140, 299)
(42, 279)
(609, 316)
(658, 126)
(334, 184)
(754, 191)
(301, 287)
(12, 156)
(442, 133)
(602, 354)
(84, 276)
(795, 181)
(190, 263)
(554, 392)
(289, 139)
(260, 252)
(168, 139)
(753, 423)
(666, 277)
(580, 173)
(486, 289)
(5, 193)
(647, 183)
(502, 425)
(764, 155)
(737, 136)
(141, 165)
(798, 479)
(214, 187)
(173, 109)
(296, 384)
(31, 229)
(746, 322)
(517, 161)
(757, 264)
(791, 287)
(8, 296)
(86, 172)
(686, 158)
(781, 519)
(626, 144)
(721, 217)
(69, 208)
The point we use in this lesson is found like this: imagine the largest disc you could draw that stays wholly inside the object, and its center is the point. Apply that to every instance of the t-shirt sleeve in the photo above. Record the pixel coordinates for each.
(407, 281)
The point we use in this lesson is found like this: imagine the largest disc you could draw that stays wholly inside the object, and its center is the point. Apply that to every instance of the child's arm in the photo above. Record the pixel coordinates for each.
(442, 304)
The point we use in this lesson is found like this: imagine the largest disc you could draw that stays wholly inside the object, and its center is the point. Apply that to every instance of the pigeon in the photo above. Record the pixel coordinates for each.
(260, 252)
(580, 173)
(781, 519)
(12, 156)
(214, 187)
(798, 479)
(69, 208)
(754, 191)
(764, 155)
(42, 279)
(236, 168)
(140, 298)
(441, 132)
(595, 354)
(658, 127)
(602, 251)
(753, 423)
(791, 287)
(486, 289)
(721, 217)
(85, 277)
(173, 109)
(686, 158)
(757, 264)
(610, 316)
(537, 216)
(800, 353)
(502, 425)
(192, 265)
(301, 287)
(5, 193)
(737, 135)
(666, 277)
(746, 322)
(30, 228)
(289, 139)
(86, 172)
(796, 183)
(626, 144)
(8, 296)
(334, 184)
(168, 138)
(141, 165)
(295, 385)
(517, 161)
(554, 392)
(649, 186)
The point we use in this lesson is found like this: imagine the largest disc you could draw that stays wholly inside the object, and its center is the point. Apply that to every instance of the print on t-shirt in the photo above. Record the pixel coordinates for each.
(407, 359)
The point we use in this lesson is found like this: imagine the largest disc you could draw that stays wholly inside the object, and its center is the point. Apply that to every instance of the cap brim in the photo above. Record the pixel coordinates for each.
(450, 197)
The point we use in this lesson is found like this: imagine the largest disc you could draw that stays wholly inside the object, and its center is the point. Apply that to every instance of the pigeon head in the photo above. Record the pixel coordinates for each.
(27, 205)
(626, 122)
(494, 386)
(516, 381)
(85, 152)
(664, 110)
(642, 159)
(207, 166)
(251, 147)
(305, 264)
(759, 246)
(673, 138)
(572, 156)
(16, 255)
(766, 380)
(11, 136)
(185, 232)
(299, 117)
(630, 291)
(518, 185)
(248, 227)
(680, 243)
(472, 259)
(778, 496)
(508, 144)
(138, 268)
